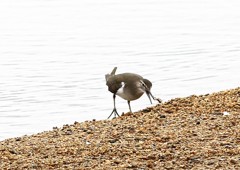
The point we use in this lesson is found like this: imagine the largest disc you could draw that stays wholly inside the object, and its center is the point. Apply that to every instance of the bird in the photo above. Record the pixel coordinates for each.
(129, 86)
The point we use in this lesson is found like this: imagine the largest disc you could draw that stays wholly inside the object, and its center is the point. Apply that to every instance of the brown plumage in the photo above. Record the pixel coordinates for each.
(128, 86)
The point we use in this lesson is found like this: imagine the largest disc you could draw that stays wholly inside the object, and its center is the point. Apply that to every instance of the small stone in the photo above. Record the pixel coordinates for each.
(69, 132)
(233, 161)
(162, 116)
(75, 123)
(169, 111)
(113, 140)
(18, 139)
(146, 110)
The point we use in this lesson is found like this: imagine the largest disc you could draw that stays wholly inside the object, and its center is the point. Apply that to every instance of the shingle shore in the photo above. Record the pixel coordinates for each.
(196, 132)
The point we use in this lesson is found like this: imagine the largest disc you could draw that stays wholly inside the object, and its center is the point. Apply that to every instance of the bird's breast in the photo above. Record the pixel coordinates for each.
(129, 92)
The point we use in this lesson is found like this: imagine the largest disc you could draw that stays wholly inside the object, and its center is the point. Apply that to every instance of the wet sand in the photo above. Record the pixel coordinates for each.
(196, 132)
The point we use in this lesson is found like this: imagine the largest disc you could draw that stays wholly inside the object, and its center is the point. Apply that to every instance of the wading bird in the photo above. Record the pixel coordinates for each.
(128, 86)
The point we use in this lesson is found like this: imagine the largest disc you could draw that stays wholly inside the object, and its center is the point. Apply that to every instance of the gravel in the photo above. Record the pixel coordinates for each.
(196, 132)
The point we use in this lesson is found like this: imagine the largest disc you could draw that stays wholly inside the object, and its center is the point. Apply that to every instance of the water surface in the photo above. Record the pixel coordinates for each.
(54, 55)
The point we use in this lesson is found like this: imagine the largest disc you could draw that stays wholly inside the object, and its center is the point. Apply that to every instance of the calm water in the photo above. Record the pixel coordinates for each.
(54, 55)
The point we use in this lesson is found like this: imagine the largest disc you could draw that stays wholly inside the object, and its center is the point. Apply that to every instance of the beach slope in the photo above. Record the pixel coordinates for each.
(196, 132)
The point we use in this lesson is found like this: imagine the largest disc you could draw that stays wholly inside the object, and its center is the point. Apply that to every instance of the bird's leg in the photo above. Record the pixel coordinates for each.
(114, 109)
(149, 94)
(129, 106)
(154, 98)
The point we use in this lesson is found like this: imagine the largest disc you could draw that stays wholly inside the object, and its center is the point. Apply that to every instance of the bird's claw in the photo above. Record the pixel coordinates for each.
(159, 100)
(115, 113)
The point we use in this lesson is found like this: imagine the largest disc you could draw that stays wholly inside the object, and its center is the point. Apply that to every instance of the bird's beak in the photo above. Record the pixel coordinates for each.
(149, 96)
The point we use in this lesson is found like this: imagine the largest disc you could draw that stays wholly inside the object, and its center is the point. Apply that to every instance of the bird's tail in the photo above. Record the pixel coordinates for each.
(107, 76)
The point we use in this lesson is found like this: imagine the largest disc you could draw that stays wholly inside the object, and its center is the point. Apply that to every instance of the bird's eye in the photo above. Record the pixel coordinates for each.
(143, 84)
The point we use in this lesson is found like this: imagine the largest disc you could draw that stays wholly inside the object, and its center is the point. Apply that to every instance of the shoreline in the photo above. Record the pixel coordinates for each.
(195, 132)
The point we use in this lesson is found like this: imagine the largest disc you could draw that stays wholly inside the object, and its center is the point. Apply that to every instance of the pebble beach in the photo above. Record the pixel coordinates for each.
(195, 132)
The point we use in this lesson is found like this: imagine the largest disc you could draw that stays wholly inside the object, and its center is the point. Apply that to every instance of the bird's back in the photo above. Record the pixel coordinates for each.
(126, 85)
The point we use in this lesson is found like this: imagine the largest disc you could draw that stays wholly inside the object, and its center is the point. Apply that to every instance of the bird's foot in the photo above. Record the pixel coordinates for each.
(159, 100)
(115, 113)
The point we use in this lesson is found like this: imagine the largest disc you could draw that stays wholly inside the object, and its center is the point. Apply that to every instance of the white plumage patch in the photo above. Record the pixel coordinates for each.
(120, 92)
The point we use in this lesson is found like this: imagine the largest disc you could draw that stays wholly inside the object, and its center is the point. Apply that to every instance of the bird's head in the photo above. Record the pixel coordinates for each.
(147, 85)
(107, 76)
